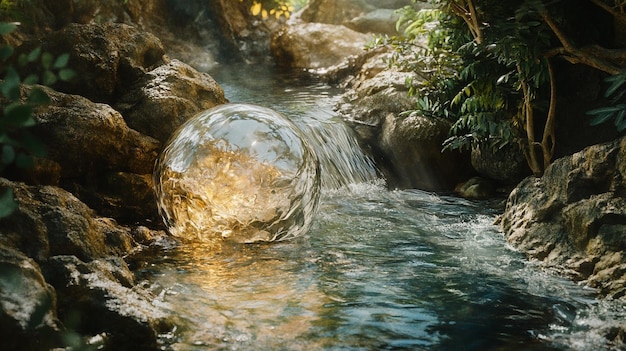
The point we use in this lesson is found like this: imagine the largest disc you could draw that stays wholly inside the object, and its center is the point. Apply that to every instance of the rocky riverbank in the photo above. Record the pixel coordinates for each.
(88, 204)
(574, 217)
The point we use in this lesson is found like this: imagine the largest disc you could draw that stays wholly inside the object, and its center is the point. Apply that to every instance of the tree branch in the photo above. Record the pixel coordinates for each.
(611, 10)
(470, 19)
(590, 56)
(530, 150)
(585, 57)
(548, 140)
(474, 16)
(557, 31)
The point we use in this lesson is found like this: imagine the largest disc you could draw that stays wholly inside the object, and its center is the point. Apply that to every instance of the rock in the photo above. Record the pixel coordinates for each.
(43, 171)
(374, 16)
(166, 97)
(407, 149)
(381, 21)
(50, 221)
(476, 188)
(127, 197)
(412, 152)
(333, 11)
(247, 37)
(575, 216)
(375, 95)
(96, 299)
(394, 4)
(87, 138)
(507, 165)
(108, 57)
(316, 46)
(28, 319)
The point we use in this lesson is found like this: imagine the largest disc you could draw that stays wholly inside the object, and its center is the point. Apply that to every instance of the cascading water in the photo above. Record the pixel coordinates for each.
(378, 270)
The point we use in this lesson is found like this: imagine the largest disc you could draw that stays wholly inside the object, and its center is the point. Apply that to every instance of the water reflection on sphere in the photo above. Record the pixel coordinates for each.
(239, 172)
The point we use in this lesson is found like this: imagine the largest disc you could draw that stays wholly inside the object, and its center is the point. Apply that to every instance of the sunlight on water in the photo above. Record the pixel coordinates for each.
(378, 270)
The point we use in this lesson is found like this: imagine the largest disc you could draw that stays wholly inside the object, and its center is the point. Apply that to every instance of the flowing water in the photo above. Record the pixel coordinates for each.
(378, 270)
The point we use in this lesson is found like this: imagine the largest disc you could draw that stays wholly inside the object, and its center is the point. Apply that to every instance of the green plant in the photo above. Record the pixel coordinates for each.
(488, 66)
(17, 144)
(11, 10)
(617, 111)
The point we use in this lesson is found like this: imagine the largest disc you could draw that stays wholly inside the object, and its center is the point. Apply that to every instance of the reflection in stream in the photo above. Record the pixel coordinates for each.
(378, 270)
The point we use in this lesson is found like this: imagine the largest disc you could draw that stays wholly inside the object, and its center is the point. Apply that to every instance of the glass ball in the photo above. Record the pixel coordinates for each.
(238, 172)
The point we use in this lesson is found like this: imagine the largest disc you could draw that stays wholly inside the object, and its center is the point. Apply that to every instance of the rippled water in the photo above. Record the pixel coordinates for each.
(379, 270)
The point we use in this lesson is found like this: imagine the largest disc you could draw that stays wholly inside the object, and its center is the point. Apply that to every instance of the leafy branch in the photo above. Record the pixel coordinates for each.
(617, 111)
(488, 65)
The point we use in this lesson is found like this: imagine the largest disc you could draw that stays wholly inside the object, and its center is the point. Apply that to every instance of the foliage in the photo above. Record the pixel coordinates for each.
(11, 9)
(274, 8)
(17, 144)
(617, 111)
(487, 66)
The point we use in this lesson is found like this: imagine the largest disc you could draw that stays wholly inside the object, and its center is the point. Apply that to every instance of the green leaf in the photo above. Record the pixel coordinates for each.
(6, 52)
(17, 114)
(22, 60)
(47, 60)
(31, 79)
(603, 110)
(48, 78)
(11, 84)
(33, 144)
(620, 122)
(601, 118)
(24, 161)
(617, 83)
(33, 55)
(61, 61)
(8, 154)
(6, 28)
(7, 203)
(38, 97)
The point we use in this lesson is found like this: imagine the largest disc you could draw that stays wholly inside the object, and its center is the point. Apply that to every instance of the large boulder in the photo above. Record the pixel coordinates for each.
(28, 315)
(164, 98)
(575, 216)
(98, 298)
(79, 253)
(363, 16)
(412, 152)
(50, 221)
(87, 138)
(92, 152)
(108, 57)
(380, 21)
(506, 165)
(316, 46)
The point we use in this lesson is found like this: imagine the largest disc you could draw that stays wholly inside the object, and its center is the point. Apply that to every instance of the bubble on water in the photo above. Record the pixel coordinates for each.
(239, 172)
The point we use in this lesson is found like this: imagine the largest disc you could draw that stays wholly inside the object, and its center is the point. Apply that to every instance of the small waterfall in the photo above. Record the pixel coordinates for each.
(307, 103)
(342, 161)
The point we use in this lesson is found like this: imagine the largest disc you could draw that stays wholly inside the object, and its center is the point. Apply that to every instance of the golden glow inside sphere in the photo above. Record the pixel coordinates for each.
(238, 172)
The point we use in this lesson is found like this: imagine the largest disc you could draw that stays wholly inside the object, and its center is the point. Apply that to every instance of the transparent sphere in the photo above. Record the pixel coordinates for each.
(239, 172)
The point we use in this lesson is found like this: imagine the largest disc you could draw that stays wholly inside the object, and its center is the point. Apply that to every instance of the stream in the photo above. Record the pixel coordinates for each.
(378, 270)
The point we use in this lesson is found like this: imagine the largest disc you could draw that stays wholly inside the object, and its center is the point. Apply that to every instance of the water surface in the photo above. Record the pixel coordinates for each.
(379, 269)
